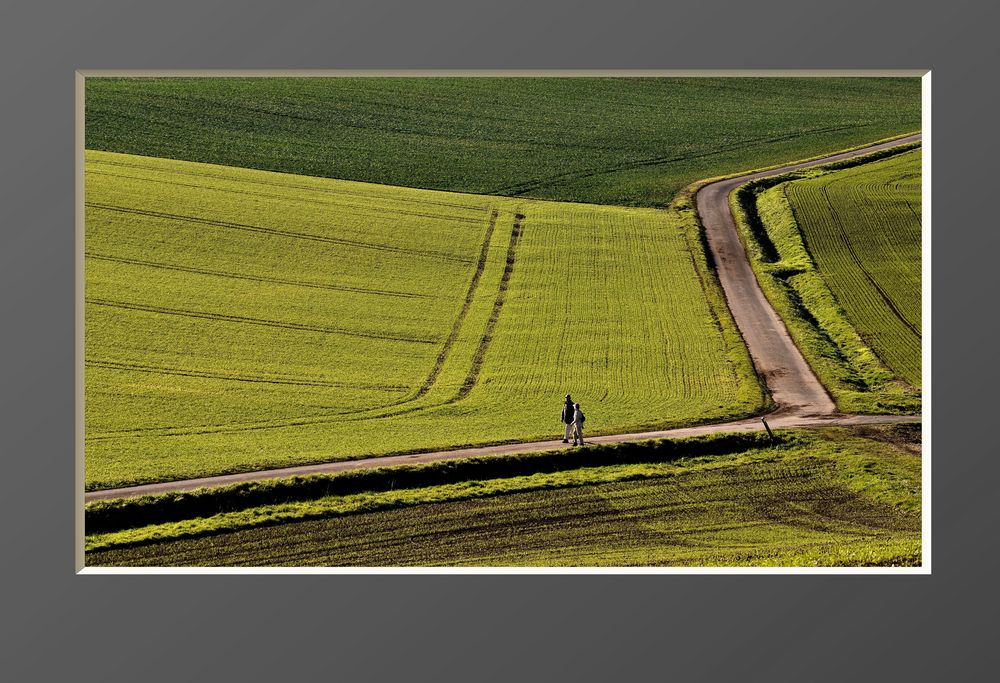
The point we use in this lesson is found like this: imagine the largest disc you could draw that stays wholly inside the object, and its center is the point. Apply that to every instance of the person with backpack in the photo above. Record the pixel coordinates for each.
(578, 419)
(567, 418)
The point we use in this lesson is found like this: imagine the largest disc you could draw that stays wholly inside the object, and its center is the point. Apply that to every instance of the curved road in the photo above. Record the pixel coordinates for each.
(792, 383)
(801, 401)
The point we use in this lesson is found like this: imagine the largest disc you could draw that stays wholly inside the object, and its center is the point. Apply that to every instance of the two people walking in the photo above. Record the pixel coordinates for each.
(573, 418)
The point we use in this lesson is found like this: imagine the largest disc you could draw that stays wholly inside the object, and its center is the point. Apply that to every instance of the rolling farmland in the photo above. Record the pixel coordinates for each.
(288, 272)
(862, 228)
(623, 141)
(823, 499)
(239, 319)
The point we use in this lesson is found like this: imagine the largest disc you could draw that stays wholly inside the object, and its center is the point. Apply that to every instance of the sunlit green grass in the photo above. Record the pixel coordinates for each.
(862, 227)
(240, 319)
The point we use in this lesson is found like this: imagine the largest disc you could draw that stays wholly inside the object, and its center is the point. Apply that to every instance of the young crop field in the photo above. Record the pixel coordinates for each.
(623, 141)
(862, 228)
(829, 498)
(838, 252)
(239, 319)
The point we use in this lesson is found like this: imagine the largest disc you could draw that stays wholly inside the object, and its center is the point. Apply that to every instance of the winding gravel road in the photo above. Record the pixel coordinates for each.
(800, 399)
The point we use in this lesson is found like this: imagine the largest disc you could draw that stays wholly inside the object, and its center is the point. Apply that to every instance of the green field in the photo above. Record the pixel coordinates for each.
(862, 228)
(838, 253)
(828, 498)
(626, 141)
(239, 319)
(285, 271)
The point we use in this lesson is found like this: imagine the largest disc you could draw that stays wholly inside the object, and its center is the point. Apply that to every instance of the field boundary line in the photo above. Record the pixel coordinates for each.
(530, 186)
(283, 175)
(342, 207)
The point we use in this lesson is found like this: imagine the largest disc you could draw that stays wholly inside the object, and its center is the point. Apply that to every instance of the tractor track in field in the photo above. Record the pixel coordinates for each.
(466, 305)
(428, 253)
(257, 278)
(800, 399)
(223, 317)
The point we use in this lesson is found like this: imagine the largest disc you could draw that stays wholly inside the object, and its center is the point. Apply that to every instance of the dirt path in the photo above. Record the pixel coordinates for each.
(792, 383)
(750, 424)
(800, 398)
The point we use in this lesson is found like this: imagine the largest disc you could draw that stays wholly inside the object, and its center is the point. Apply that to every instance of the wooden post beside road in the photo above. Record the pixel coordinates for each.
(770, 434)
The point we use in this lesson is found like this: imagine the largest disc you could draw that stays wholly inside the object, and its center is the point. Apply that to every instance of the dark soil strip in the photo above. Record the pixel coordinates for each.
(257, 278)
(255, 321)
(283, 233)
(484, 343)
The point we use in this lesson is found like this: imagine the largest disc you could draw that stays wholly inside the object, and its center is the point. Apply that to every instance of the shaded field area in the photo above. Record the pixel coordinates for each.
(625, 141)
(838, 253)
(239, 320)
(829, 498)
(862, 228)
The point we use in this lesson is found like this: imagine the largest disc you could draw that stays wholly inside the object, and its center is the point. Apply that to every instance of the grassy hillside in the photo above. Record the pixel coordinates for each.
(837, 251)
(828, 498)
(628, 141)
(862, 228)
(240, 319)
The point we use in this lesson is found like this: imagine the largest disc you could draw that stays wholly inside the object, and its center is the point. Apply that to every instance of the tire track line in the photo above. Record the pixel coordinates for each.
(254, 321)
(470, 381)
(484, 342)
(277, 424)
(213, 374)
(466, 305)
(283, 233)
(456, 328)
(257, 278)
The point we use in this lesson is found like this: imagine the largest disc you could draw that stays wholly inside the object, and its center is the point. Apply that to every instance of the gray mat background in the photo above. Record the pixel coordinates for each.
(55, 625)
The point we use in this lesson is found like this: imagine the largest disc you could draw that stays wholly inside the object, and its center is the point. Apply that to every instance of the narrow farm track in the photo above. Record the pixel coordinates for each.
(792, 383)
(800, 399)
